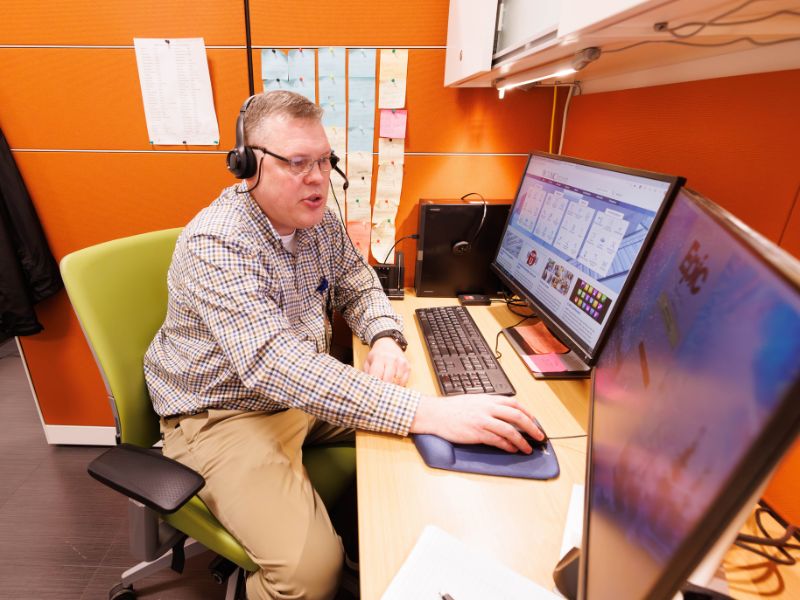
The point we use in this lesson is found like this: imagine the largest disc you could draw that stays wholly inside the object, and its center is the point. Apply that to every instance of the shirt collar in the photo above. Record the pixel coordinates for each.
(265, 226)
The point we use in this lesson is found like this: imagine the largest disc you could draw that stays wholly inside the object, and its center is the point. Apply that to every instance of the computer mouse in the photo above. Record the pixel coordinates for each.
(534, 443)
(435, 451)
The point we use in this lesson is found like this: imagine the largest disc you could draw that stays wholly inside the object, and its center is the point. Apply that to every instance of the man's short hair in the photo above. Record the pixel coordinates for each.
(281, 104)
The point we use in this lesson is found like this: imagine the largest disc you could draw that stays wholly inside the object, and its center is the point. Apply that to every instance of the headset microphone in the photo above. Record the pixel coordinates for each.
(336, 168)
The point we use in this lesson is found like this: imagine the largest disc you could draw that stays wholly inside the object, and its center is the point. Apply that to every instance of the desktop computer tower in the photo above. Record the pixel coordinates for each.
(456, 246)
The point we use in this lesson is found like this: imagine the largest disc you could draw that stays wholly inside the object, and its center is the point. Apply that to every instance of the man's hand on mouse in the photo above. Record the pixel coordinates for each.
(477, 419)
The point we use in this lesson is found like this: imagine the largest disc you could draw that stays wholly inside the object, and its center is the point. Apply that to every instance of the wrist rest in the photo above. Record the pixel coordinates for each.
(486, 460)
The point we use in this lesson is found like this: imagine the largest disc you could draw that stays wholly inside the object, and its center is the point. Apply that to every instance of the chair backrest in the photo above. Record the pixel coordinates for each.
(119, 292)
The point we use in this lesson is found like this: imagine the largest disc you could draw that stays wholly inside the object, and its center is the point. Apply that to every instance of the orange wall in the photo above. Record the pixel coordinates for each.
(55, 100)
(735, 140)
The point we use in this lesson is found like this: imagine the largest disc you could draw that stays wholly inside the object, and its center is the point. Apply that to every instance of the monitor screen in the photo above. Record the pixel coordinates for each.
(694, 400)
(575, 234)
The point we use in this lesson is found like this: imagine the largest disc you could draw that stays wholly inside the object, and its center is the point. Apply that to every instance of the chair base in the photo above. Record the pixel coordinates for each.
(124, 590)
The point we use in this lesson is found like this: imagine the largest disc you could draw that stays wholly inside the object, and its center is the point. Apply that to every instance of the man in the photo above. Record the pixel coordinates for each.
(240, 373)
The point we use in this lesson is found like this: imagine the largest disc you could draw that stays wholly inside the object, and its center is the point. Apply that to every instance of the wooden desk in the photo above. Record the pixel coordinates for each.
(520, 522)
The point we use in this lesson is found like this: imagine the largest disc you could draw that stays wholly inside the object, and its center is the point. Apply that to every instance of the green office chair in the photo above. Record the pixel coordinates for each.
(119, 292)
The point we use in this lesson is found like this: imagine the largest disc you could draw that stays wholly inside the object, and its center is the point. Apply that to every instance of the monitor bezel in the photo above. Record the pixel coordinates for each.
(776, 437)
(564, 334)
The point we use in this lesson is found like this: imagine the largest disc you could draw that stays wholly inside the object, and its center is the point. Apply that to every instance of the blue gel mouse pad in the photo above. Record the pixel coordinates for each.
(486, 460)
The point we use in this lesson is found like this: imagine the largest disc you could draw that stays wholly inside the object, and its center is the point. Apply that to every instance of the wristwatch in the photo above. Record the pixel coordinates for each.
(398, 337)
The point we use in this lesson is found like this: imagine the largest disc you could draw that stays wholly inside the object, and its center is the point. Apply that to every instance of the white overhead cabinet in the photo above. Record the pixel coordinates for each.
(640, 42)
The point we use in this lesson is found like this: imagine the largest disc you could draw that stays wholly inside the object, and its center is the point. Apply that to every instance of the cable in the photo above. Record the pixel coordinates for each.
(353, 246)
(781, 544)
(567, 437)
(717, 45)
(518, 302)
(564, 117)
(715, 22)
(483, 217)
(553, 120)
(244, 189)
(497, 352)
(413, 236)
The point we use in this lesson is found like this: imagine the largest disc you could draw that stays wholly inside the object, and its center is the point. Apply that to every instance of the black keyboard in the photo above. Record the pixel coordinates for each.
(462, 360)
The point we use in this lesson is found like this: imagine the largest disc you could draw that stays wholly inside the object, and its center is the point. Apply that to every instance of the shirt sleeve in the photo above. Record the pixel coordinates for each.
(237, 293)
(357, 292)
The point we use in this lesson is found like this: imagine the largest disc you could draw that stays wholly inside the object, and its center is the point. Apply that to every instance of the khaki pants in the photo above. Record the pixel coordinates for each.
(257, 487)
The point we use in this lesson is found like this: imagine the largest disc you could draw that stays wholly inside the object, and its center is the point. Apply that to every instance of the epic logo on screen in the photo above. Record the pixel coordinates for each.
(693, 269)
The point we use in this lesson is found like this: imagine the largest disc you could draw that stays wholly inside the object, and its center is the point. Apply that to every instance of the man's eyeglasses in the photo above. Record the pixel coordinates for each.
(301, 165)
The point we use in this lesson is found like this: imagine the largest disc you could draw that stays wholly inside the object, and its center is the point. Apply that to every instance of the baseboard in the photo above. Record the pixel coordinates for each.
(80, 435)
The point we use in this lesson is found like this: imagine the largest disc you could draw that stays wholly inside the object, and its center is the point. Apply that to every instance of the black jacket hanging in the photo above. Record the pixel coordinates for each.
(28, 271)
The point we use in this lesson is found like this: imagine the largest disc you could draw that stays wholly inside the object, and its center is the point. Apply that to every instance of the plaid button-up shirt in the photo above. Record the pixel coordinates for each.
(247, 323)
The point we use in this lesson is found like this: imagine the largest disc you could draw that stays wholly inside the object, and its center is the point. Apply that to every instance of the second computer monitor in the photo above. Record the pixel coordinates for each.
(695, 398)
(574, 237)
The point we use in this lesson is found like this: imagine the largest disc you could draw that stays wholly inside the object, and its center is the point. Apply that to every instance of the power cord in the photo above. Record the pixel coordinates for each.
(413, 236)
(497, 352)
(715, 22)
(514, 301)
(781, 544)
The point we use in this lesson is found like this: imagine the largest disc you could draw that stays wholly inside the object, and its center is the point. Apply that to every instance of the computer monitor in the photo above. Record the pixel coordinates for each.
(695, 399)
(575, 236)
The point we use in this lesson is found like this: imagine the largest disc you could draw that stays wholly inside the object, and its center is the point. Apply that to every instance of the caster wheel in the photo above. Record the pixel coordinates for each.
(221, 569)
(122, 592)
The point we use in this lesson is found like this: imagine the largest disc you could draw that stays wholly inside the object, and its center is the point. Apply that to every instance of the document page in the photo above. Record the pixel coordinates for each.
(176, 91)
(441, 564)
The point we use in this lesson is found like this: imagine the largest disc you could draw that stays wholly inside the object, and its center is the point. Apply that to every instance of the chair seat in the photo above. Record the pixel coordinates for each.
(330, 469)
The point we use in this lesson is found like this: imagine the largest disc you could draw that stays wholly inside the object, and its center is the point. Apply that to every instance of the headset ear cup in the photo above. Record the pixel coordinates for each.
(242, 162)
(248, 163)
(460, 248)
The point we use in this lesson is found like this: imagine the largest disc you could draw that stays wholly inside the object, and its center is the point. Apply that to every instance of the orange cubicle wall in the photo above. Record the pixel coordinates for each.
(735, 140)
(70, 106)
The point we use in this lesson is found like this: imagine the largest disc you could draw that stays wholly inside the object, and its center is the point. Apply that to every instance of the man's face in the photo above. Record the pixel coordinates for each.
(290, 201)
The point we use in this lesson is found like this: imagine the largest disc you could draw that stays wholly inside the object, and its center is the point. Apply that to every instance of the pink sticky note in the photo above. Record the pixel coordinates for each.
(359, 232)
(393, 123)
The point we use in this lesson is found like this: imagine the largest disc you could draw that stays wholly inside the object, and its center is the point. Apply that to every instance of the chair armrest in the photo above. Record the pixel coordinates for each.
(154, 480)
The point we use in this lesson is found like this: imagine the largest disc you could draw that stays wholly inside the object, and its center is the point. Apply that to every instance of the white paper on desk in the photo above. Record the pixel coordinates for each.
(573, 528)
(440, 563)
(176, 90)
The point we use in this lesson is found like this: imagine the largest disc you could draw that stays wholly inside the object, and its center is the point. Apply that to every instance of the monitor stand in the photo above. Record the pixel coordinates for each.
(565, 576)
(544, 355)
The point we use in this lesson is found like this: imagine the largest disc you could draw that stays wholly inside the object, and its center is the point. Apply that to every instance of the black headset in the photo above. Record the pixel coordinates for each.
(242, 160)
(465, 246)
